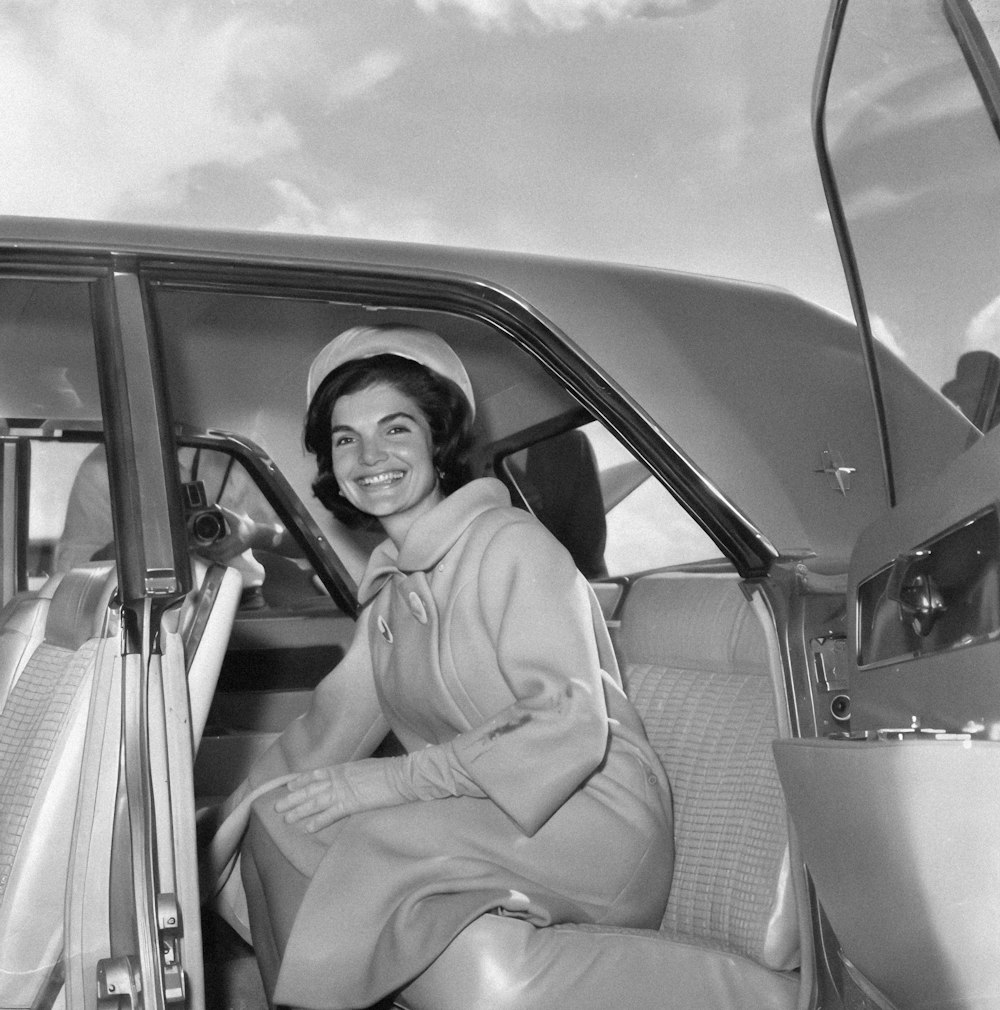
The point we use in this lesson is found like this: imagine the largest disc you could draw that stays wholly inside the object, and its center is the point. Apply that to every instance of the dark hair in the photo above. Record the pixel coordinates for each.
(442, 403)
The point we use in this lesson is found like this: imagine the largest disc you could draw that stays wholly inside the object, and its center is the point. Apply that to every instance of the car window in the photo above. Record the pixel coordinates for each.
(604, 505)
(69, 515)
(913, 152)
(219, 493)
(50, 415)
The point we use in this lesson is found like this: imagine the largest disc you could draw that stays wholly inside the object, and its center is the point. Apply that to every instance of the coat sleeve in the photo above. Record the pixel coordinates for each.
(344, 721)
(530, 757)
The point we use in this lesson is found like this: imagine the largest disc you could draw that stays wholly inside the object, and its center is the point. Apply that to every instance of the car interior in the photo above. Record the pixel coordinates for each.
(698, 655)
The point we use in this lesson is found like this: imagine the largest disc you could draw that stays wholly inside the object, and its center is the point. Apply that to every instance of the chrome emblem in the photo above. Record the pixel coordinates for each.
(838, 472)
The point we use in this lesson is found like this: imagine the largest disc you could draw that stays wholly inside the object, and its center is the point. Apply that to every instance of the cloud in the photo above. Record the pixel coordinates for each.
(364, 75)
(983, 331)
(878, 199)
(96, 108)
(375, 215)
(896, 101)
(884, 334)
(566, 15)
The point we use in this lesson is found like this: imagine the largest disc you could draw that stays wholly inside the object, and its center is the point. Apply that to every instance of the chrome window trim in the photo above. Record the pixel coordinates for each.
(821, 87)
(286, 503)
(736, 536)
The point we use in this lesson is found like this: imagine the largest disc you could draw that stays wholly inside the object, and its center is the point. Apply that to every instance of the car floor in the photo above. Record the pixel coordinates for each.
(232, 980)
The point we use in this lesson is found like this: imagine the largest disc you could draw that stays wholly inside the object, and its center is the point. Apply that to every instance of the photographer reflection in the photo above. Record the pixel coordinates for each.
(228, 517)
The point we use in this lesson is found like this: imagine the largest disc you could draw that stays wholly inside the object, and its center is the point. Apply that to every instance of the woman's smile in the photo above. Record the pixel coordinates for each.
(381, 479)
(383, 456)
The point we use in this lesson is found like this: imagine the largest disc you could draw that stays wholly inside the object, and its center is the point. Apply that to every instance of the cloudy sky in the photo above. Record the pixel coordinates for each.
(670, 133)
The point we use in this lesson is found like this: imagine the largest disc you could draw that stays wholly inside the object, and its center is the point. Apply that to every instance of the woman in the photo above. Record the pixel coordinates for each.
(528, 787)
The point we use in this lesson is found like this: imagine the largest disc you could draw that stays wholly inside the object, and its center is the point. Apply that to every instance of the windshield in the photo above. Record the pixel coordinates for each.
(915, 159)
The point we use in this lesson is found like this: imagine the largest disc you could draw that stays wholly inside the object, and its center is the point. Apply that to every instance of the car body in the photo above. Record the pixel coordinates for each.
(733, 432)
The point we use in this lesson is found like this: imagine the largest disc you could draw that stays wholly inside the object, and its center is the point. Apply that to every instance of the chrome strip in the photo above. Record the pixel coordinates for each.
(821, 87)
(503, 310)
(147, 450)
(138, 786)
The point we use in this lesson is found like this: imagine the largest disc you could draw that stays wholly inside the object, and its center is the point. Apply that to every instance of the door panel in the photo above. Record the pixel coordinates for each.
(902, 840)
(944, 673)
(275, 659)
(900, 826)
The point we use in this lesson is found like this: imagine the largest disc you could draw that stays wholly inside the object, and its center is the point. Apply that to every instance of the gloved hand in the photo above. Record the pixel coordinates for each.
(323, 796)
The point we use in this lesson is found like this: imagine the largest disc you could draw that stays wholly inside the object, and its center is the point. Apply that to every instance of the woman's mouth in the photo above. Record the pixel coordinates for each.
(380, 479)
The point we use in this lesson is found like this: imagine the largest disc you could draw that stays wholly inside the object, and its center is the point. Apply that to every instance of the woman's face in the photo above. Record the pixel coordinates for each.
(383, 456)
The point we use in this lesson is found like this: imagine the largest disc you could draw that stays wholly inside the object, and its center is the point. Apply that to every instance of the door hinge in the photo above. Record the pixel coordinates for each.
(168, 917)
(119, 979)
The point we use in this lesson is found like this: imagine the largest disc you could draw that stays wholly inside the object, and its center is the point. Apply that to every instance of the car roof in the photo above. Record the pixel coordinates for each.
(764, 393)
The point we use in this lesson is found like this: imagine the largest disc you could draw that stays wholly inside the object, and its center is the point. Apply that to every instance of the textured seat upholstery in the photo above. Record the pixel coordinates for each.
(695, 662)
(42, 729)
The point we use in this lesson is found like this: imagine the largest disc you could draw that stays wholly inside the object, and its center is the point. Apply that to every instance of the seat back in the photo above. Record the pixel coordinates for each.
(695, 663)
(22, 626)
(42, 729)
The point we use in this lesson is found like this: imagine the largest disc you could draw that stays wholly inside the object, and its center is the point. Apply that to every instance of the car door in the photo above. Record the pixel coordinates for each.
(100, 902)
(899, 818)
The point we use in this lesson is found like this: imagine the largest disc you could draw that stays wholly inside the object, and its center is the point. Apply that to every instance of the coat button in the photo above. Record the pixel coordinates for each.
(384, 629)
(417, 607)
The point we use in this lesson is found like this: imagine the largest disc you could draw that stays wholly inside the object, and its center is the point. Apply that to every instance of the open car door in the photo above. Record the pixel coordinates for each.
(899, 818)
(99, 902)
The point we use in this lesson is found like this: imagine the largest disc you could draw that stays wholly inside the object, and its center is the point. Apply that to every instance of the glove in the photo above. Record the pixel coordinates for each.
(323, 796)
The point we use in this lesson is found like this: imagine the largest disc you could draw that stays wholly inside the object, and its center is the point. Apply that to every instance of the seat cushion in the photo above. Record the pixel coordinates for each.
(508, 964)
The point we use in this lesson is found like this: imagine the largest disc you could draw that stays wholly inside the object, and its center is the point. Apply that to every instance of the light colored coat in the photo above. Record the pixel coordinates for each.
(479, 637)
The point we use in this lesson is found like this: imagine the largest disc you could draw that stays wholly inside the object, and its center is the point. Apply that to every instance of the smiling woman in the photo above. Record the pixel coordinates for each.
(483, 650)
(382, 456)
(402, 444)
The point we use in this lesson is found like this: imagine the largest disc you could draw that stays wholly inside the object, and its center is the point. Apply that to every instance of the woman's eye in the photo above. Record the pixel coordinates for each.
(342, 440)
(398, 429)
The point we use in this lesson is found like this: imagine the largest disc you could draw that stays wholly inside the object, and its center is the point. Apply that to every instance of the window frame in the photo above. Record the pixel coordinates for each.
(376, 286)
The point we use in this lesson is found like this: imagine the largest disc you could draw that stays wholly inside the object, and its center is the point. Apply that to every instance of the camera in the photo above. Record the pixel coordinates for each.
(205, 523)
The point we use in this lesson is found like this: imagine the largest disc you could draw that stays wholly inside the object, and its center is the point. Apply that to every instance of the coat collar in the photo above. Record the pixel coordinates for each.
(432, 535)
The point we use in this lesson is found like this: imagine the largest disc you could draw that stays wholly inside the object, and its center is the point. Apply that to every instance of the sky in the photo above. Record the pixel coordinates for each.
(668, 133)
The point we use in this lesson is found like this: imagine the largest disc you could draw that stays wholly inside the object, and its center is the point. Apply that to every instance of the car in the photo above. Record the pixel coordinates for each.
(789, 520)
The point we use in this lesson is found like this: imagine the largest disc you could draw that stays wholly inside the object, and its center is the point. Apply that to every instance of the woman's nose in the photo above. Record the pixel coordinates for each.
(372, 451)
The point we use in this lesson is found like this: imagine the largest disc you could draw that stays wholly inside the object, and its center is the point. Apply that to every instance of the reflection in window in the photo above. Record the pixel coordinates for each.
(975, 387)
(915, 160)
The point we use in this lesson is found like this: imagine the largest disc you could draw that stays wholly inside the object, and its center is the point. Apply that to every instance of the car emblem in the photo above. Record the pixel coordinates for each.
(837, 470)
